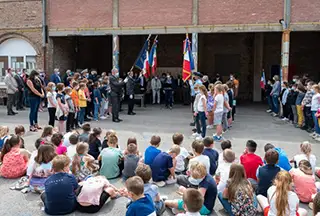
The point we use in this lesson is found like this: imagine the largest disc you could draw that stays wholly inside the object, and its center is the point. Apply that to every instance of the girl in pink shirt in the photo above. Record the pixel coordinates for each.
(56, 140)
(304, 181)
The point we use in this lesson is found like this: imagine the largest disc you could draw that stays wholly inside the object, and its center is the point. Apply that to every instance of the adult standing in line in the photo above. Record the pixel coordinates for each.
(12, 89)
(116, 90)
(55, 77)
(35, 94)
(156, 87)
(130, 92)
(276, 89)
(24, 77)
(19, 94)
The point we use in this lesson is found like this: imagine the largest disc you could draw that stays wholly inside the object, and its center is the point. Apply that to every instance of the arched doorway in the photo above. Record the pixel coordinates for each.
(17, 54)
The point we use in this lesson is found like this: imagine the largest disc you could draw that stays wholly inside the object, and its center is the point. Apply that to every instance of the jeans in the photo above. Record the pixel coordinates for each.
(96, 110)
(269, 99)
(316, 122)
(82, 114)
(275, 103)
(156, 94)
(168, 97)
(34, 106)
(201, 119)
(294, 113)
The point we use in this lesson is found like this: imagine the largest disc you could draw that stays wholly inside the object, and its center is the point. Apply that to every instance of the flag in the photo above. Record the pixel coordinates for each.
(263, 80)
(142, 57)
(146, 66)
(188, 63)
(153, 57)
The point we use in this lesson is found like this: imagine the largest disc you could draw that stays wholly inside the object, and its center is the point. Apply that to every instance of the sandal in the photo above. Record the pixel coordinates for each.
(33, 129)
(37, 127)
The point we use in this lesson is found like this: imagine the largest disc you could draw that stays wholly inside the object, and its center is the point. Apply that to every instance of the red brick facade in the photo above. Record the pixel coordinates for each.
(305, 11)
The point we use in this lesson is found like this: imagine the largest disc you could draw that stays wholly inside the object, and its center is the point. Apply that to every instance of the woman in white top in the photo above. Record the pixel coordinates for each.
(281, 200)
(305, 149)
(201, 113)
(52, 102)
(315, 106)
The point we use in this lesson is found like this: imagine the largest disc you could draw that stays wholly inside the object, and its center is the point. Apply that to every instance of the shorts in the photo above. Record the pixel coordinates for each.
(203, 210)
(218, 118)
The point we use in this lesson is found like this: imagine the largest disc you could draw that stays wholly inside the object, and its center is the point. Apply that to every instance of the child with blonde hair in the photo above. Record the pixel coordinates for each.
(47, 133)
(218, 111)
(4, 132)
(52, 102)
(305, 149)
(201, 113)
(62, 108)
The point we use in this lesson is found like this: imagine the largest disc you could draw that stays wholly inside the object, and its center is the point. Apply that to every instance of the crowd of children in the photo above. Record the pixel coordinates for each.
(297, 102)
(74, 175)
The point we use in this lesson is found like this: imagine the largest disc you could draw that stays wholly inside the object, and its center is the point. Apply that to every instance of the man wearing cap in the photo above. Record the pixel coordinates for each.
(116, 91)
(12, 88)
(196, 81)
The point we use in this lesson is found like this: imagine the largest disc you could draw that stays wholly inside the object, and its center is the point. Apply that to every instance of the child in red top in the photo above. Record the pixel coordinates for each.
(250, 160)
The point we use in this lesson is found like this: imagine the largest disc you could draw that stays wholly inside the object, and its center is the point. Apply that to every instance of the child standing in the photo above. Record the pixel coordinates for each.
(111, 159)
(266, 173)
(210, 103)
(207, 188)
(238, 197)
(82, 103)
(72, 109)
(96, 100)
(201, 113)
(104, 101)
(177, 139)
(56, 140)
(142, 204)
(305, 149)
(315, 106)
(152, 151)
(301, 94)
(218, 111)
(251, 161)
(59, 197)
(223, 171)
(212, 154)
(163, 167)
(131, 160)
(14, 159)
(94, 142)
(42, 167)
(52, 102)
(145, 173)
(231, 97)
(75, 99)
(226, 108)
(62, 110)
(281, 200)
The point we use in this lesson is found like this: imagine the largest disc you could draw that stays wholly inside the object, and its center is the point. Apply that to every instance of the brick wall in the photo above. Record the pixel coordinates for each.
(240, 12)
(80, 13)
(20, 14)
(155, 13)
(305, 11)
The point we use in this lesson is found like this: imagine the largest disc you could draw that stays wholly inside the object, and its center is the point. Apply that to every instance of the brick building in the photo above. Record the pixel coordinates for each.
(233, 36)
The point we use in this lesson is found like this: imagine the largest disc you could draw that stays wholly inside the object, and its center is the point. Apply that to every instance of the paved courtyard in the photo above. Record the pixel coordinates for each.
(252, 122)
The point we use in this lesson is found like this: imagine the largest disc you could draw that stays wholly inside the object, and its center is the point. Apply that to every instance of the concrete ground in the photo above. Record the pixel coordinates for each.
(252, 122)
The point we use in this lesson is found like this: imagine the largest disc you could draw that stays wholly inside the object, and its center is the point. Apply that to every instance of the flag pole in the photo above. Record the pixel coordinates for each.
(140, 51)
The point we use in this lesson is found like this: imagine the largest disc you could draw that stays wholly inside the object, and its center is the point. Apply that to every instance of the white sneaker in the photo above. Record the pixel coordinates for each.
(312, 134)
(199, 138)
(171, 181)
(317, 138)
(275, 114)
(103, 117)
(269, 111)
(195, 135)
(209, 126)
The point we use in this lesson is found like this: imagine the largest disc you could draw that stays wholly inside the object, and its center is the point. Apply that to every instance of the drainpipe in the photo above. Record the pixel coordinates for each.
(44, 33)
(285, 41)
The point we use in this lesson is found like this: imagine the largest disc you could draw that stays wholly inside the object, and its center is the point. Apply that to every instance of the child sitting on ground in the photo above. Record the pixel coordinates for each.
(56, 140)
(132, 140)
(111, 159)
(31, 161)
(4, 132)
(316, 205)
(82, 163)
(212, 154)
(144, 171)
(59, 197)
(142, 204)
(283, 161)
(305, 149)
(66, 141)
(105, 140)
(42, 168)
(266, 173)
(304, 181)
(198, 147)
(94, 193)
(131, 160)
(72, 149)
(177, 139)
(94, 142)
(281, 200)
(223, 170)
(225, 144)
(47, 133)
(163, 167)
(20, 131)
(238, 196)
(84, 137)
(192, 202)
(152, 151)
(207, 188)
(250, 160)
(14, 159)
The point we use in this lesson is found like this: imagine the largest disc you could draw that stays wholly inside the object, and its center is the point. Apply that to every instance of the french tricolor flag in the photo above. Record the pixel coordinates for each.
(263, 80)
(188, 64)
(153, 57)
(146, 66)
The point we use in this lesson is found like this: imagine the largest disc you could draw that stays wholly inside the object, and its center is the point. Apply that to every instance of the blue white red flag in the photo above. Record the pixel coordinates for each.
(263, 80)
(188, 63)
(153, 57)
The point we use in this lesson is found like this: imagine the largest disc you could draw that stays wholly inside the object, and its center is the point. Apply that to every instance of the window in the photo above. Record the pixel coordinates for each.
(31, 63)
(17, 63)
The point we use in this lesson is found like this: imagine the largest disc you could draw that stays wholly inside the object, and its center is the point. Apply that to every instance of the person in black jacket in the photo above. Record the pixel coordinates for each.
(130, 85)
(116, 90)
(291, 101)
(20, 92)
(168, 88)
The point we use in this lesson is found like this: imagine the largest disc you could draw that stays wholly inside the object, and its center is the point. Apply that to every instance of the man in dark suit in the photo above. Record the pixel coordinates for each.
(20, 92)
(115, 94)
(130, 86)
